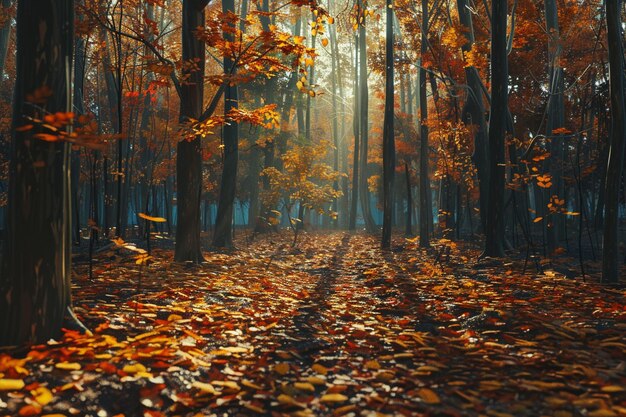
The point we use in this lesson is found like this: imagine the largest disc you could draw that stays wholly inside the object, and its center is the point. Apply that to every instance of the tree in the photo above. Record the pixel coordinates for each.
(473, 112)
(363, 116)
(189, 158)
(389, 148)
(497, 130)
(5, 32)
(35, 281)
(424, 207)
(223, 222)
(610, 251)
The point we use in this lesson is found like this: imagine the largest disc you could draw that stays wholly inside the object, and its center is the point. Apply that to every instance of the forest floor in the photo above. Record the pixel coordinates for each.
(334, 327)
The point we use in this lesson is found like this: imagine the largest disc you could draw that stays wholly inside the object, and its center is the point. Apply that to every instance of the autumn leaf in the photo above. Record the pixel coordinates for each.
(151, 218)
(11, 384)
(428, 396)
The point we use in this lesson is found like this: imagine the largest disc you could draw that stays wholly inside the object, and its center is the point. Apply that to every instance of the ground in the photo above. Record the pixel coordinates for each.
(333, 327)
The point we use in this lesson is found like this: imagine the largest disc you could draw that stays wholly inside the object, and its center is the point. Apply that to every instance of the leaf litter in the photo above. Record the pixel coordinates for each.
(334, 327)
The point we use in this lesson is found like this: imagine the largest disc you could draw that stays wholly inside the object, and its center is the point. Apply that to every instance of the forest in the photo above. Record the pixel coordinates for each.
(312, 208)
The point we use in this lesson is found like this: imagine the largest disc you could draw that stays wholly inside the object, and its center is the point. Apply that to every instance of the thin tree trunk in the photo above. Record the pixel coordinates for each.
(425, 198)
(355, 126)
(497, 131)
(223, 237)
(363, 115)
(389, 147)
(610, 250)
(5, 34)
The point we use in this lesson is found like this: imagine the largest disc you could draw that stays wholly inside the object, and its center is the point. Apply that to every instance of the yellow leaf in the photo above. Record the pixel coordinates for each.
(281, 368)
(152, 219)
(68, 366)
(315, 380)
(11, 384)
(602, 413)
(325, 42)
(250, 384)
(538, 219)
(304, 386)
(42, 395)
(613, 388)
(286, 399)
(135, 368)
(428, 396)
(372, 365)
(204, 387)
(309, 62)
(320, 369)
(333, 398)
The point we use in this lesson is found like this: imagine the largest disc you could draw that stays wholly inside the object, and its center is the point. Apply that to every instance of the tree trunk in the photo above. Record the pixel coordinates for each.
(389, 147)
(5, 35)
(35, 283)
(223, 237)
(189, 158)
(355, 126)
(497, 131)
(363, 115)
(425, 198)
(555, 120)
(473, 113)
(610, 250)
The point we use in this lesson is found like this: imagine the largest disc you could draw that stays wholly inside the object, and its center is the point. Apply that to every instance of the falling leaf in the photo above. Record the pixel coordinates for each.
(151, 218)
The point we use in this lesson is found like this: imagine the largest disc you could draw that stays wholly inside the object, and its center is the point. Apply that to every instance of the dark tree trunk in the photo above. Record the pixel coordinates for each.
(355, 126)
(389, 147)
(425, 207)
(497, 130)
(35, 283)
(223, 237)
(5, 34)
(409, 202)
(78, 108)
(473, 113)
(610, 250)
(363, 116)
(189, 158)
(555, 120)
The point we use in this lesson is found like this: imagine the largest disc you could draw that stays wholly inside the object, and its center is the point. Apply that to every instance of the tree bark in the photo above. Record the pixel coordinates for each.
(473, 113)
(355, 127)
(555, 120)
(389, 147)
(5, 35)
(425, 198)
(610, 250)
(223, 237)
(35, 283)
(363, 115)
(497, 131)
(189, 157)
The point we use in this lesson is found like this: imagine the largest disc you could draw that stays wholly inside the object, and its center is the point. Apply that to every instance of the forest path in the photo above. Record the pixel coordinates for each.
(333, 327)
